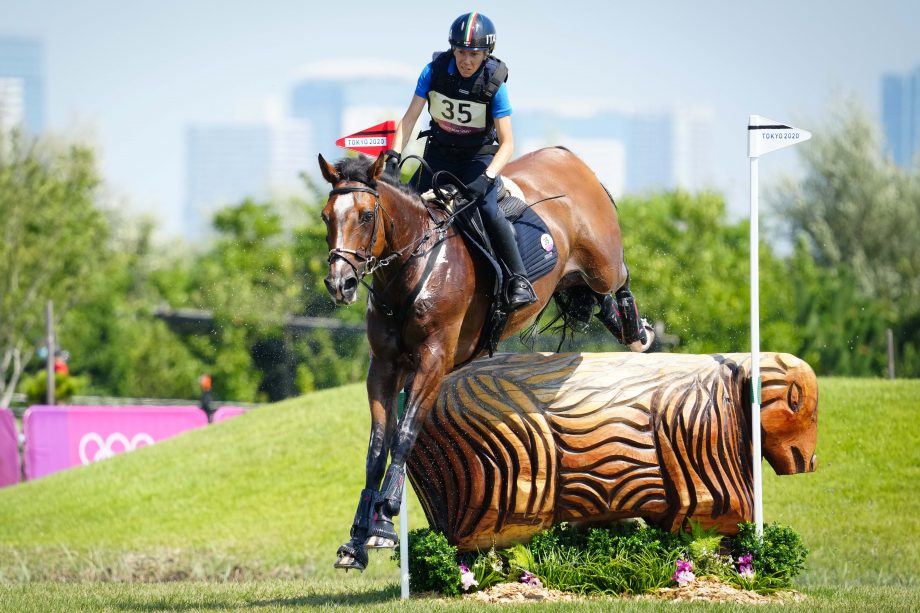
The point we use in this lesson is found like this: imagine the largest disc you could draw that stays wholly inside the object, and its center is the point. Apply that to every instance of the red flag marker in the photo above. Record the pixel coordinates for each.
(371, 140)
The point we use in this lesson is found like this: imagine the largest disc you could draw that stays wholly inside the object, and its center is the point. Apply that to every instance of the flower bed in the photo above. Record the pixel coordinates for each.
(628, 558)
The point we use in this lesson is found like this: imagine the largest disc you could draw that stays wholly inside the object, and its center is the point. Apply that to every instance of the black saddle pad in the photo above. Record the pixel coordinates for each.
(538, 249)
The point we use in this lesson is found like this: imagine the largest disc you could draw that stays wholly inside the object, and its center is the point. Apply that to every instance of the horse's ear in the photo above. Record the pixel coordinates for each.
(328, 170)
(376, 169)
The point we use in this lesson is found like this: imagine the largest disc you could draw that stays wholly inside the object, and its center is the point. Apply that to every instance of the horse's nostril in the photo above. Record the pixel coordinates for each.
(330, 287)
(350, 284)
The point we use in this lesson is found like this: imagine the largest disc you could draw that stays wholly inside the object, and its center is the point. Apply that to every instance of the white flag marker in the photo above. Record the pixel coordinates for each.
(764, 135)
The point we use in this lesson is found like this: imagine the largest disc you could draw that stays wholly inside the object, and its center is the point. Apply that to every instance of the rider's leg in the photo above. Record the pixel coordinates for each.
(519, 290)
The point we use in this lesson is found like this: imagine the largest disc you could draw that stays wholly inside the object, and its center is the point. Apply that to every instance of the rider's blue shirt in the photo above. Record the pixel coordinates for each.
(501, 105)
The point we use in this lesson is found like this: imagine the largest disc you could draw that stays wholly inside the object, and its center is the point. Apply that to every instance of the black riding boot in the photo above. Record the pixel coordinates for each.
(518, 290)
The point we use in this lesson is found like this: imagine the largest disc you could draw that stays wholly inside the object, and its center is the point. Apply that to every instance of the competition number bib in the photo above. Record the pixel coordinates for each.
(461, 115)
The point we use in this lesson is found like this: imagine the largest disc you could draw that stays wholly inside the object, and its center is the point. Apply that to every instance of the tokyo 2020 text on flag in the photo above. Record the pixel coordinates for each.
(372, 140)
(766, 135)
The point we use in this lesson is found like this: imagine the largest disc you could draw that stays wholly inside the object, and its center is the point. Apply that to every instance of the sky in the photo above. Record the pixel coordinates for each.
(131, 77)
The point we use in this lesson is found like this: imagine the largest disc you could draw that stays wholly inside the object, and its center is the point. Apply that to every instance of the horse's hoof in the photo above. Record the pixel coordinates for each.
(638, 346)
(382, 535)
(380, 542)
(351, 558)
(348, 563)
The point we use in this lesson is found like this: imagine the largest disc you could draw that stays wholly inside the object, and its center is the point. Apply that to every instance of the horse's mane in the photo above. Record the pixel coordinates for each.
(357, 168)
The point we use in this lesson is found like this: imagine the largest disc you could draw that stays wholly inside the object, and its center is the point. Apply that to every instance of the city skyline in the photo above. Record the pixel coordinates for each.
(901, 116)
(134, 96)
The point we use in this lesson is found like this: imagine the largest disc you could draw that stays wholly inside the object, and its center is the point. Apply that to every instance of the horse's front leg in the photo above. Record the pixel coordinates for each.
(383, 382)
(433, 361)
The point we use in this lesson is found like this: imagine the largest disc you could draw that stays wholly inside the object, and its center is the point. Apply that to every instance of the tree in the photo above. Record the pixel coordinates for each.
(53, 240)
(115, 339)
(689, 268)
(860, 216)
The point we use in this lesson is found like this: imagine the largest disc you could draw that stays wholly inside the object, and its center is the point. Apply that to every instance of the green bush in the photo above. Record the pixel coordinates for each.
(780, 554)
(65, 387)
(432, 563)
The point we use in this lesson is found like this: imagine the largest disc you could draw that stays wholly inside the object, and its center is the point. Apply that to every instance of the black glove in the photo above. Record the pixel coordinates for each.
(391, 165)
(478, 188)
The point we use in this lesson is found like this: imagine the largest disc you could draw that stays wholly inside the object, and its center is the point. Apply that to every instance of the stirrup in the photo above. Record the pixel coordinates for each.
(520, 292)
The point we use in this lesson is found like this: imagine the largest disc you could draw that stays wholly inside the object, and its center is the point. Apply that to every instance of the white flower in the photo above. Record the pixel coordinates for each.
(468, 580)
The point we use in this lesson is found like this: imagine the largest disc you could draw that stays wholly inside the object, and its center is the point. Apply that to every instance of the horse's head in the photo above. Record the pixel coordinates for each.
(354, 229)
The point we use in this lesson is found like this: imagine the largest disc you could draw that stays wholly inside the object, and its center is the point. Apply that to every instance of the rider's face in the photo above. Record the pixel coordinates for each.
(469, 61)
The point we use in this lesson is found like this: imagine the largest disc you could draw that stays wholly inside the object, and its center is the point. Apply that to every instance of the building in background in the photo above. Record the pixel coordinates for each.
(22, 87)
(340, 97)
(629, 151)
(901, 116)
(228, 163)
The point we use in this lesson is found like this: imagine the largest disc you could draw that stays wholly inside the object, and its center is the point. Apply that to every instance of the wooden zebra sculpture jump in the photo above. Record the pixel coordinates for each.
(517, 443)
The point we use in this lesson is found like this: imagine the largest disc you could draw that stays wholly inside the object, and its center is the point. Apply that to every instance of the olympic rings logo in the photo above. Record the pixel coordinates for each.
(115, 443)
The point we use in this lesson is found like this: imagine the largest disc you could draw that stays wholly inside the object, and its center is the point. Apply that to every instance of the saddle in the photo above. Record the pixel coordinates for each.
(535, 243)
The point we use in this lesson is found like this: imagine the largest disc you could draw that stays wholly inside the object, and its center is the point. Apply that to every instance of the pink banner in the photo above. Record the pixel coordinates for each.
(9, 449)
(59, 437)
(227, 413)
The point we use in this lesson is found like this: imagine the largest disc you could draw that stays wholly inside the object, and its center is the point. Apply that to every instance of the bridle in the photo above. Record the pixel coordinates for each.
(365, 257)
(367, 263)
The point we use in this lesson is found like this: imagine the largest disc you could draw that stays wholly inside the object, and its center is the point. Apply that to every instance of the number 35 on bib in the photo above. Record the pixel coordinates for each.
(458, 116)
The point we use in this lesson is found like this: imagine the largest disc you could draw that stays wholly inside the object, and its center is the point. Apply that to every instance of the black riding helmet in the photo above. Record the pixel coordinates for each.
(472, 31)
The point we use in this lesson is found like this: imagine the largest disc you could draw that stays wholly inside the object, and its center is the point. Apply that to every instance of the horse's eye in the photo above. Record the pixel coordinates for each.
(367, 216)
(324, 217)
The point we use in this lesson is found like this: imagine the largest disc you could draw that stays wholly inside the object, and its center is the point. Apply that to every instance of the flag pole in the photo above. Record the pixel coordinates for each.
(755, 347)
(764, 135)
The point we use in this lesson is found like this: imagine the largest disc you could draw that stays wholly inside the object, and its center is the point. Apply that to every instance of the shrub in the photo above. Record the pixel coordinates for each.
(780, 554)
(432, 563)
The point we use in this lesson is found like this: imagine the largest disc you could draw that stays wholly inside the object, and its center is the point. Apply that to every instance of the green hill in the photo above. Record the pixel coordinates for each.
(273, 493)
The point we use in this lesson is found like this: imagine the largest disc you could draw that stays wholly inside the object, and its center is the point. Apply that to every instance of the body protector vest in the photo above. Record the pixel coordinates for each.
(461, 118)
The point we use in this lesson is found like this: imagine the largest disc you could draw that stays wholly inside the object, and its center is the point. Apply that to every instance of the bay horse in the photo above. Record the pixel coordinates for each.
(430, 296)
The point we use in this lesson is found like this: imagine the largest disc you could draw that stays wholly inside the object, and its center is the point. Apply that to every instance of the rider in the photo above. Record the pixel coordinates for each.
(470, 111)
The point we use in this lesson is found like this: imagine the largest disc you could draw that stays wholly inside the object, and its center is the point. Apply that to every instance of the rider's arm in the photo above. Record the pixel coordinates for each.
(407, 123)
(505, 146)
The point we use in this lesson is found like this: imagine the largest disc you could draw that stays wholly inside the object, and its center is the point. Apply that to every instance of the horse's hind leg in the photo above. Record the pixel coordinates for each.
(620, 316)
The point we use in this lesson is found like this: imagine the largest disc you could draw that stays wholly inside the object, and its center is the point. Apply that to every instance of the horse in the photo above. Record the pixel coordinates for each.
(430, 295)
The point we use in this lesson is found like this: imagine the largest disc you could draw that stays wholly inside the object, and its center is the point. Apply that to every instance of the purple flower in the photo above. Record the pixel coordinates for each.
(531, 579)
(684, 573)
(746, 571)
(746, 559)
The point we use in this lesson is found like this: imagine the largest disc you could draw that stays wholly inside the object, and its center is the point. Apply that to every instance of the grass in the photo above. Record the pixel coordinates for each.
(272, 494)
(381, 595)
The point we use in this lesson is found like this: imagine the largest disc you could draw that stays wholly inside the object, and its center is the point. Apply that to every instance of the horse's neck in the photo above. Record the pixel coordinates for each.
(405, 220)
